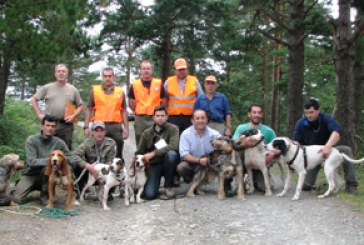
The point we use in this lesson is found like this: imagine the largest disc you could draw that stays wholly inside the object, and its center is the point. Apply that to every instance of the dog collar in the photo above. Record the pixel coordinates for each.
(294, 157)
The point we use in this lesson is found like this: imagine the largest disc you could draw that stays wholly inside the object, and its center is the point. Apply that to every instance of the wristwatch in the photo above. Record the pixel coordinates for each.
(229, 127)
(85, 127)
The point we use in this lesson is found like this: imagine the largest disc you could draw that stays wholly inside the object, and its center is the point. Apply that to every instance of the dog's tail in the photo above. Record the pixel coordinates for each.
(349, 159)
(81, 175)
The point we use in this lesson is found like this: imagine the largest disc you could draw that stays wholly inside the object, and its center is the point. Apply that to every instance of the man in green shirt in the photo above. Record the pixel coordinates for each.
(37, 149)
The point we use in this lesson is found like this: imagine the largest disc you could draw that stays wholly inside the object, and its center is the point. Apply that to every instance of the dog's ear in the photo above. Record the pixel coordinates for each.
(121, 163)
(65, 168)
(48, 168)
(280, 144)
(235, 145)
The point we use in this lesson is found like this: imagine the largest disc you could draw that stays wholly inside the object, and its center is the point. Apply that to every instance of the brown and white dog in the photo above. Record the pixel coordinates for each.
(254, 158)
(224, 163)
(9, 164)
(109, 176)
(59, 173)
(136, 179)
(303, 158)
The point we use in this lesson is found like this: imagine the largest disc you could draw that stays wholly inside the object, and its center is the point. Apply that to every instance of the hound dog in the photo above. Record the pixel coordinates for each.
(136, 179)
(9, 164)
(254, 158)
(303, 158)
(59, 173)
(109, 176)
(224, 163)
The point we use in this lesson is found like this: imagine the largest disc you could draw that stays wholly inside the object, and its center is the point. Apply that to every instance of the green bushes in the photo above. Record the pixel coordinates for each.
(17, 123)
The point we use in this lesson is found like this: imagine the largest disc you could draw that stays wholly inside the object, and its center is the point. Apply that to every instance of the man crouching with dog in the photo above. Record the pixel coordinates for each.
(93, 150)
(37, 149)
(195, 146)
(159, 146)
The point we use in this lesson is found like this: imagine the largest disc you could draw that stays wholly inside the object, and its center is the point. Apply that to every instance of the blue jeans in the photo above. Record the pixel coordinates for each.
(167, 169)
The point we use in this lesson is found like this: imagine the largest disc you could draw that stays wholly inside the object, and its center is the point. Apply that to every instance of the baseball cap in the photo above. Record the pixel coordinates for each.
(211, 78)
(98, 124)
(180, 64)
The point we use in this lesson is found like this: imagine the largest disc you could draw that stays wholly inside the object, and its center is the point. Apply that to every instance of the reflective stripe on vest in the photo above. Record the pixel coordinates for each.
(178, 103)
(146, 100)
(108, 106)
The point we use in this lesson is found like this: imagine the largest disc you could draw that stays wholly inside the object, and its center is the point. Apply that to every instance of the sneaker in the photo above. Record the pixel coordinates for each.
(352, 190)
(168, 195)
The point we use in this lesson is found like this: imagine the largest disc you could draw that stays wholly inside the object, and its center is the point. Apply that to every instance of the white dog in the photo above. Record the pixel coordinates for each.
(254, 158)
(136, 179)
(111, 175)
(293, 155)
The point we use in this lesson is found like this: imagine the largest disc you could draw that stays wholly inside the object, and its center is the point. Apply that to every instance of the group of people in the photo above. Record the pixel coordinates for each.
(175, 122)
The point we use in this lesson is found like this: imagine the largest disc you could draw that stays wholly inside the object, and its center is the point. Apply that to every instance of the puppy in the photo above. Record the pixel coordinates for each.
(9, 164)
(110, 175)
(303, 158)
(254, 158)
(136, 179)
(225, 164)
(59, 173)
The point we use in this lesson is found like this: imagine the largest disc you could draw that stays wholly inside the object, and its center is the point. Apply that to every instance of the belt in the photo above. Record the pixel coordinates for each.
(62, 121)
(112, 122)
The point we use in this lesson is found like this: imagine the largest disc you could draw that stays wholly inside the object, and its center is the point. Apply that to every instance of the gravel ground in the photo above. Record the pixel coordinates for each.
(199, 220)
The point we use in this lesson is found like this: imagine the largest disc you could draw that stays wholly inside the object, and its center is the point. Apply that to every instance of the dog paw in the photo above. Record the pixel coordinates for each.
(321, 196)
(140, 201)
(76, 203)
(295, 198)
(190, 194)
(241, 198)
(107, 208)
(221, 196)
(268, 193)
(250, 191)
(49, 206)
(127, 203)
(200, 192)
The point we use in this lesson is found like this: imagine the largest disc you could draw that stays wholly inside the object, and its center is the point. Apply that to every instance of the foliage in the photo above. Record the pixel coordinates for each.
(17, 123)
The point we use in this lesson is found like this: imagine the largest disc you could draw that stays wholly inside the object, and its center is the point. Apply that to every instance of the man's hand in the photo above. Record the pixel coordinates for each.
(149, 155)
(227, 132)
(326, 150)
(86, 132)
(125, 133)
(69, 119)
(203, 161)
(246, 143)
(270, 156)
(92, 170)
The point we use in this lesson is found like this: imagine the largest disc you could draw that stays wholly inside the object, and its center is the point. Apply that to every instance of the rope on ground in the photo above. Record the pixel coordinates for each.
(30, 209)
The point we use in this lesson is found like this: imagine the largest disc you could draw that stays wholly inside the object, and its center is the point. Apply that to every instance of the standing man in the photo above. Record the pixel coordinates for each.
(255, 114)
(195, 145)
(93, 149)
(216, 106)
(62, 101)
(316, 128)
(159, 145)
(37, 149)
(182, 91)
(107, 103)
(144, 95)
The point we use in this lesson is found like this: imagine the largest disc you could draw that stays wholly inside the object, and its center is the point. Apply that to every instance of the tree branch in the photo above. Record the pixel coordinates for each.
(266, 34)
(310, 7)
(273, 17)
(359, 31)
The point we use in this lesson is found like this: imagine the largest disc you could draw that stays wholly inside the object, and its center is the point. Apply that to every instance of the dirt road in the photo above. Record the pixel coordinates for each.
(200, 220)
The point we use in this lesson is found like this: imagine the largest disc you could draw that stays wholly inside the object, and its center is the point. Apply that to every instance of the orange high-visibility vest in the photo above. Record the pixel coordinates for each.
(178, 103)
(108, 106)
(146, 100)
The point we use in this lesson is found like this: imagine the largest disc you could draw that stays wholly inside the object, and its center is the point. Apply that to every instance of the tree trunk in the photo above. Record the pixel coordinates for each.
(166, 54)
(295, 65)
(265, 84)
(4, 78)
(343, 60)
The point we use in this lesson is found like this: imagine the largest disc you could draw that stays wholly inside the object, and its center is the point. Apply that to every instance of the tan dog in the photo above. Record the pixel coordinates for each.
(224, 163)
(59, 173)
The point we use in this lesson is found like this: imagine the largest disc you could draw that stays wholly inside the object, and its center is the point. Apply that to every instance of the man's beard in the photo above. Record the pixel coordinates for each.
(256, 121)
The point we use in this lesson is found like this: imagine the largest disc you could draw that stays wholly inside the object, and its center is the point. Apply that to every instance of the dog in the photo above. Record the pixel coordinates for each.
(59, 173)
(223, 163)
(303, 158)
(9, 164)
(136, 179)
(254, 158)
(109, 176)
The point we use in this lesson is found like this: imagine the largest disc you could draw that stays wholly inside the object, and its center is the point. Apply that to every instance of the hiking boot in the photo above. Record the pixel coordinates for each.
(352, 190)
(168, 195)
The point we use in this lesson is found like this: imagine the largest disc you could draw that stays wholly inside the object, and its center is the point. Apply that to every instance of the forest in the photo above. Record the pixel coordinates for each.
(277, 53)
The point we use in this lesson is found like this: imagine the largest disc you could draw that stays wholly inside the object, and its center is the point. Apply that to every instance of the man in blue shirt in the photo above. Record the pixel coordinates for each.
(194, 146)
(255, 115)
(317, 128)
(216, 106)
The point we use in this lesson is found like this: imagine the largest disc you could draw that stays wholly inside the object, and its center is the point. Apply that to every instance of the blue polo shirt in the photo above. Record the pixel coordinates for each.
(217, 108)
(315, 133)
